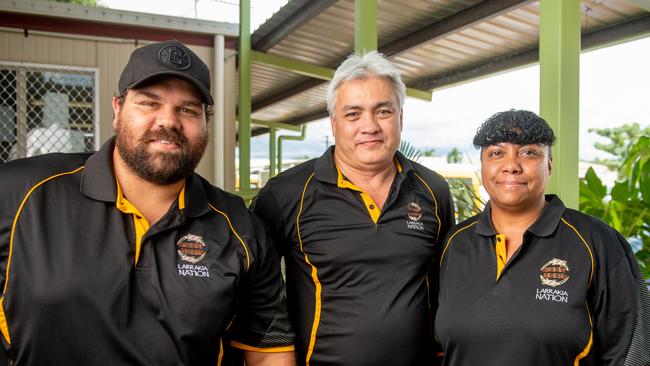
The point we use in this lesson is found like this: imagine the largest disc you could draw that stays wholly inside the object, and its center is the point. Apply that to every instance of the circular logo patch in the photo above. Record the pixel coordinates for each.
(191, 248)
(414, 211)
(554, 273)
(174, 57)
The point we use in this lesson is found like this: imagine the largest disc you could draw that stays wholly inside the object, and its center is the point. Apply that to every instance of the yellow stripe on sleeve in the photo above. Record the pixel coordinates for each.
(314, 276)
(246, 347)
(435, 202)
(442, 257)
(3, 320)
(248, 259)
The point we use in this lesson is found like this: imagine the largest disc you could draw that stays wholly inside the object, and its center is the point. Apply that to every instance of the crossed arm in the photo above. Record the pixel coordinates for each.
(253, 358)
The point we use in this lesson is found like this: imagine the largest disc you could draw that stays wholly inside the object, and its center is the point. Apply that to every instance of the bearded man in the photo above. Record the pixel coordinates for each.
(127, 256)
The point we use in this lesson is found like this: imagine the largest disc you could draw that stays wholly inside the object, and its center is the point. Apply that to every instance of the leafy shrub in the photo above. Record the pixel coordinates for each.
(626, 207)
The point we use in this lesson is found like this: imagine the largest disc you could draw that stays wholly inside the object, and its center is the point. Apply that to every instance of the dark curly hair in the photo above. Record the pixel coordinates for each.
(515, 126)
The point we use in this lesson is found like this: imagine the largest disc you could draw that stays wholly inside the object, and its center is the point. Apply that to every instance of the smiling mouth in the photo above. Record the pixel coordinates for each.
(512, 184)
(371, 142)
(165, 144)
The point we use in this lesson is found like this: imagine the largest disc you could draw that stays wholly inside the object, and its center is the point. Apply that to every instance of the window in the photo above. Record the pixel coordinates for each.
(46, 109)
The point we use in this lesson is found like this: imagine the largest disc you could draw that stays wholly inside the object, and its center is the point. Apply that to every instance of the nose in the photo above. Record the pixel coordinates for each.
(511, 164)
(369, 124)
(168, 117)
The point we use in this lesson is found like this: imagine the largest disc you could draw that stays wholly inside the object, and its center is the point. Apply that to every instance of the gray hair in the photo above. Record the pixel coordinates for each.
(373, 64)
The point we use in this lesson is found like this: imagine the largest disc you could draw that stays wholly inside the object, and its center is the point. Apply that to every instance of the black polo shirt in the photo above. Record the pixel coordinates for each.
(87, 281)
(570, 295)
(357, 282)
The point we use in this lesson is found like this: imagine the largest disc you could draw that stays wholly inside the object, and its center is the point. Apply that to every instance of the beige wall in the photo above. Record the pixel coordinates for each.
(109, 57)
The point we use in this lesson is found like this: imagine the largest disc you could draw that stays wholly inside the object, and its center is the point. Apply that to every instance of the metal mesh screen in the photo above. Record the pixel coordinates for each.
(45, 110)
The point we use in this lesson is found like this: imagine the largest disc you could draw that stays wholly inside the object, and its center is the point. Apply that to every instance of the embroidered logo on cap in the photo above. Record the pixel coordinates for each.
(554, 273)
(174, 57)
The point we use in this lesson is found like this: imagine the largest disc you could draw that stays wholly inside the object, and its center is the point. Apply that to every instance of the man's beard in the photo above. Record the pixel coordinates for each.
(160, 167)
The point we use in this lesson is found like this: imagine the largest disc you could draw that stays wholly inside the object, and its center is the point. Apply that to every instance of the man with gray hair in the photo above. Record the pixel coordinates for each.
(359, 229)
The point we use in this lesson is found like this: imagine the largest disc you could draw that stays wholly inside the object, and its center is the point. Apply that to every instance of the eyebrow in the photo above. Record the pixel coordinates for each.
(386, 103)
(190, 103)
(146, 94)
(187, 103)
(348, 107)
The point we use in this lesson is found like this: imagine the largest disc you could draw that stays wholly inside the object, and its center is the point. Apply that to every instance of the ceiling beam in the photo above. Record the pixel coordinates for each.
(307, 117)
(643, 4)
(291, 65)
(613, 34)
(294, 121)
(465, 18)
(618, 33)
(317, 74)
(291, 23)
(284, 126)
(286, 92)
(454, 23)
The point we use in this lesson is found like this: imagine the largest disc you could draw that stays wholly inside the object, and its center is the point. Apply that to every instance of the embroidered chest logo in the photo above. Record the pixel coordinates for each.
(191, 249)
(414, 214)
(554, 273)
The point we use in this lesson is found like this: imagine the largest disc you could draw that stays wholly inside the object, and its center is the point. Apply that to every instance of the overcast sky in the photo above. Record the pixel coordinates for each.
(614, 89)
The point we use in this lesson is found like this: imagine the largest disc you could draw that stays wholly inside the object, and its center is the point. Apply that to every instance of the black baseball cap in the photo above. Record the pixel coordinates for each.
(169, 58)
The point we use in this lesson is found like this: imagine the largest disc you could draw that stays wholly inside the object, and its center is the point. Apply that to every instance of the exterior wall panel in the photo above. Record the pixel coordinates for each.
(108, 56)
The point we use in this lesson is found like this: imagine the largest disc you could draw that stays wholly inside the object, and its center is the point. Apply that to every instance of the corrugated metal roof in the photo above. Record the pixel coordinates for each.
(114, 16)
(469, 38)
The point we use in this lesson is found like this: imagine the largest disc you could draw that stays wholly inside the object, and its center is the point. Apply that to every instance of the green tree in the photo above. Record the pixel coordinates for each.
(429, 152)
(467, 200)
(454, 156)
(410, 151)
(626, 207)
(80, 2)
(620, 139)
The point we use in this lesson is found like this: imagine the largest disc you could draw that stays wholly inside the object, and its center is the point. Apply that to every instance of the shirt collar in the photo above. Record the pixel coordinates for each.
(325, 169)
(99, 182)
(196, 198)
(548, 221)
(545, 224)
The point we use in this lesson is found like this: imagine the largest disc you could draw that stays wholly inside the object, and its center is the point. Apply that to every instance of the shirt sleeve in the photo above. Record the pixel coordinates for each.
(8, 207)
(447, 213)
(266, 206)
(262, 323)
(638, 352)
(447, 220)
(621, 307)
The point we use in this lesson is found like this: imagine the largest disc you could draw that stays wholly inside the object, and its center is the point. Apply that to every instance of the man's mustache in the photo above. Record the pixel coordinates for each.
(171, 135)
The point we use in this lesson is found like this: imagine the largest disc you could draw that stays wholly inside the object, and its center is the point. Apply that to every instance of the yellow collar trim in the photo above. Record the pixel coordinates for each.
(343, 182)
(501, 253)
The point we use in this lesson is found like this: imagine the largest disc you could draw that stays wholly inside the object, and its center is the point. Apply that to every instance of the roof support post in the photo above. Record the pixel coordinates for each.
(218, 129)
(244, 95)
(365, 26)
(301, 137)
(559, 59)
(272, 151)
